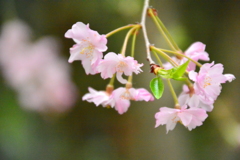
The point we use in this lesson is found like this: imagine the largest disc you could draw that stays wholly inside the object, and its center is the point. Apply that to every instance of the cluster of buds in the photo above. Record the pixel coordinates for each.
(200, 89)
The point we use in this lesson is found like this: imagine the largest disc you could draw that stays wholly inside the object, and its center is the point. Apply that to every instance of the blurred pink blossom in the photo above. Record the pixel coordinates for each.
(35, 70)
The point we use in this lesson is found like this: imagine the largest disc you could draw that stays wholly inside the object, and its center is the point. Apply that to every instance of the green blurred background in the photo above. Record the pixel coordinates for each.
(95, 133)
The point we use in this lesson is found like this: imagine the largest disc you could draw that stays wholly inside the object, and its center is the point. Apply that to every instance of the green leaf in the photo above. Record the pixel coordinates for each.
(180, 70)
(180, 78)
(165, 73)
(157, 87)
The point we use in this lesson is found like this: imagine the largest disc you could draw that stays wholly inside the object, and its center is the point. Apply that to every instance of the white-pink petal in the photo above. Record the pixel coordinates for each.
(97, 97)
(229, 77)
(143, 94)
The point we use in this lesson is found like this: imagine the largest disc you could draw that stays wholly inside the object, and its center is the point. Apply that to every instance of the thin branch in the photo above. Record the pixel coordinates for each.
(120, 29)
(127, 38)
(147, 43)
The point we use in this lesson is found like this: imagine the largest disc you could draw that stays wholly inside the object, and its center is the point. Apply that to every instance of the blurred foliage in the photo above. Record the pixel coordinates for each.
(96, 133)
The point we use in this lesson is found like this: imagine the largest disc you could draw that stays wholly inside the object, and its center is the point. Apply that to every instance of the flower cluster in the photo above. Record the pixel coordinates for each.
(200, 89)
(196, 99)
(118, 98)
(89, 49)
(35, 70)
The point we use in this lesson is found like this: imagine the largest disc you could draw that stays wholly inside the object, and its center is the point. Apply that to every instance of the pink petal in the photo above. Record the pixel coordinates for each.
(206, 107)
(193, 75)
(68, 34)
(80, 31)
(229, 77)
(120, 78)
(185, 117)
(193, 101)
(122, 106)
(143, 94)
(183, 98)
(88, 67)
(195, 47)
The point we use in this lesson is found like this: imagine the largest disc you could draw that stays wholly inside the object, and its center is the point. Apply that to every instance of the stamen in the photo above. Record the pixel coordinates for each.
(87, 48)
(207, 82)
(174, 119)
(120, 66)
(126, 95)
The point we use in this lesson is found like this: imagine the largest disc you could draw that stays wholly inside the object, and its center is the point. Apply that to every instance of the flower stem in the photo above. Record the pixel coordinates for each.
(170, 43)
(173, 92)
(112, 80)
(147, 43)
(130, 79)
(158, 59)
(120, 29)
(167, 33)
(182, 55)
(134, 42)
(124, 47)
(164, 55)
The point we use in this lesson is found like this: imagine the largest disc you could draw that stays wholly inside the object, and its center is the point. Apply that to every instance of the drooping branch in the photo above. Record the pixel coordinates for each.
(147, 43)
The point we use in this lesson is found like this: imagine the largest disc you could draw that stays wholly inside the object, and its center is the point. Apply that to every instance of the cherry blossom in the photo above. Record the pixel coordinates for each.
(196, 52)
(98, 97)
(208, 80)
(122, 97)
(190, 98)
(190, 118)
(88, 48)
(113, 63)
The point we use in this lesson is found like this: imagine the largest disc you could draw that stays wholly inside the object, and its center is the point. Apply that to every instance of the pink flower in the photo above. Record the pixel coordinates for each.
(191, 99)
(190, 118)
(113, 63)
(98, 97)
(122, 97)
(196, 52)
(208, 80)
(88, 48)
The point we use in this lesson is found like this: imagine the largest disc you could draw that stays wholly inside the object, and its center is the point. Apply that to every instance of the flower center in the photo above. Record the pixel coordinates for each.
(126, 95)
(87, 48)
(175, 119)
(207, 82)
(120, 66)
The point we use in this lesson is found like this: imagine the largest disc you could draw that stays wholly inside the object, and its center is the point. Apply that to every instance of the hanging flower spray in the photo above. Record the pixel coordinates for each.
(200, 89)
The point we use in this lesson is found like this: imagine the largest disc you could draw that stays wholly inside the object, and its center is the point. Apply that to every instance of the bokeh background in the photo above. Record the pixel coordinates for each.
(86, 132)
